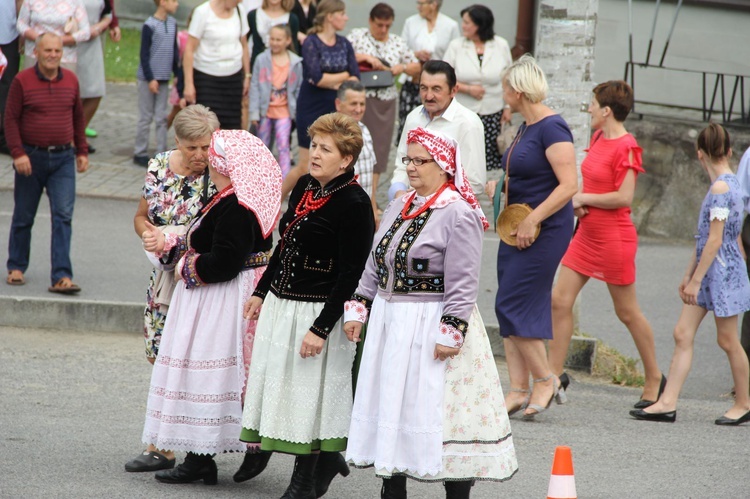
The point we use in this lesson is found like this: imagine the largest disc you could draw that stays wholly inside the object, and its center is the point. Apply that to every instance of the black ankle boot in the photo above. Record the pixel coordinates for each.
(252, 466)
(394, 488)
(302, 485)
(330, 464)
(458, 490)
(196, 467)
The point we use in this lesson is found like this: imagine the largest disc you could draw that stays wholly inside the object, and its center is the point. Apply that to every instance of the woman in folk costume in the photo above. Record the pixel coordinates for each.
(299, 394)
(429, 404)
(194, 403)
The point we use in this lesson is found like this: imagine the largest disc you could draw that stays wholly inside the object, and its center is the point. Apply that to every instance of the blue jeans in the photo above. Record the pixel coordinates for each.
(57, 173)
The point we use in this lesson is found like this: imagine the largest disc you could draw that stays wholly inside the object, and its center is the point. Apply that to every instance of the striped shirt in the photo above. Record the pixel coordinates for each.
(44, 112)
(366, 161)
(160, 56)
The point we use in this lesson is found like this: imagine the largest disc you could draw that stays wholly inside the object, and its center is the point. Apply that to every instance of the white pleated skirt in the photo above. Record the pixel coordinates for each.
(290, 398)
(194, 402)
(423, 418)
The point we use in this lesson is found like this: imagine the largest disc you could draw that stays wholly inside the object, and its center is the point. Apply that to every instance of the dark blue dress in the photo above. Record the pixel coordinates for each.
(524, 278)
(317, 59)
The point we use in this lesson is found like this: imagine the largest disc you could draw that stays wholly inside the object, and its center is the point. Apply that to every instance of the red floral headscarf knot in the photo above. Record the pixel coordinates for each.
(446, 153)
(254, 172)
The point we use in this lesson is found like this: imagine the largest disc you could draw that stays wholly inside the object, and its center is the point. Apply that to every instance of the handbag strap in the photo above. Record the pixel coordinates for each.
(507, 163)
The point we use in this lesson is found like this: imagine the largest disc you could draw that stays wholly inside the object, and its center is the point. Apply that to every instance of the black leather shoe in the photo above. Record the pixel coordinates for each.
(725, 421)
(141, 161)
(661, 417)
(643, 403)
(149, 461)
(330, 464)
(394, 487)
(458, 490)
(302, 485)
(196, 467)
(252, 466)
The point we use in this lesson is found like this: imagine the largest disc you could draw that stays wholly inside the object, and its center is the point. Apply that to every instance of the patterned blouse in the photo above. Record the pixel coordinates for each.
(172, 200)
(62, 17)
(394, 51)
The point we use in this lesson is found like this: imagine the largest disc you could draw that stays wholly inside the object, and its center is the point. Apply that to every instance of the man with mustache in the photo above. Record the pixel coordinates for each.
(441, 112)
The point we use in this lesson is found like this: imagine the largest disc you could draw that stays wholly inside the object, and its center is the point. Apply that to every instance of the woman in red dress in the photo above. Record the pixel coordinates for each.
(605, 243)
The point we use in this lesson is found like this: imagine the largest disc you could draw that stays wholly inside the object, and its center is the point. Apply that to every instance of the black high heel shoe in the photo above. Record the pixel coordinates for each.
(329, 465)
(562, 395)
(660, 417)
(643, 403)
(196, 467)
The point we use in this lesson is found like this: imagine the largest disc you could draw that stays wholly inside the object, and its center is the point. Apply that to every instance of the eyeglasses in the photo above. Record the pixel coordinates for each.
(417, 161)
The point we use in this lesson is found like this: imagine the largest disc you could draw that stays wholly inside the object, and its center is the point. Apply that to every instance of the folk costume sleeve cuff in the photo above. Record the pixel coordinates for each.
(452, 331)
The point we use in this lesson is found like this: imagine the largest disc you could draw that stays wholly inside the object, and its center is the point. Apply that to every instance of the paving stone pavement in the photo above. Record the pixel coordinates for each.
(112, 173)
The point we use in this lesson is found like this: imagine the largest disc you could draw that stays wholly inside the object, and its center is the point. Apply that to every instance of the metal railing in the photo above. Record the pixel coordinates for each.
(717, 97)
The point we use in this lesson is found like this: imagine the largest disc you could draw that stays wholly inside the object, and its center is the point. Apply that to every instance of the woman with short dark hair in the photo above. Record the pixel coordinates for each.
(479, 58)
(377, 49)
(606, 241)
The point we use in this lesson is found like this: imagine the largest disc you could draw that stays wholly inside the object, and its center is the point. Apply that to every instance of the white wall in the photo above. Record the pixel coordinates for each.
(704, 38)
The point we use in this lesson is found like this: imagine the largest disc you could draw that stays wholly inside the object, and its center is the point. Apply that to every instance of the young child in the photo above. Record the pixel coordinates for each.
(159, 60)
(277, 76)
(716, 280)
(174, 96)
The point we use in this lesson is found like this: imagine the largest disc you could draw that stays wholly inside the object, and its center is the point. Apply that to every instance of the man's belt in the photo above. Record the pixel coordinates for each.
(51, 149)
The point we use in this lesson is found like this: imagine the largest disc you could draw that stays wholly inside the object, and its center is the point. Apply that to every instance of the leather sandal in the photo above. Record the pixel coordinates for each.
(15, 278)
(64, 286)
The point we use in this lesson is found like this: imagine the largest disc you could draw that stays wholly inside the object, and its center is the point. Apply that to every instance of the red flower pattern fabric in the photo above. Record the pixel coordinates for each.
(254, 172)
(445, 151)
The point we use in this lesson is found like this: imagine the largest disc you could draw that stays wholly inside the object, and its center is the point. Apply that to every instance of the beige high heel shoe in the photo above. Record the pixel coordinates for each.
(555, 395)
(523, 404)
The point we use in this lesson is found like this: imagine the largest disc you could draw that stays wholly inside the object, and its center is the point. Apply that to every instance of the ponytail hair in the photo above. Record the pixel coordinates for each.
(714, 142)
(325, 8)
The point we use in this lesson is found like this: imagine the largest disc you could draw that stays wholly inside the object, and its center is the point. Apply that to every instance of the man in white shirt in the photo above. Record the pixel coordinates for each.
(743, 176)
(440, 111)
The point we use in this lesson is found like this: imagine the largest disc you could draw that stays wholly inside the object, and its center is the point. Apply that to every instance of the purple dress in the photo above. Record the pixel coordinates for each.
(725, 288)
(524, 296)
(318, 59)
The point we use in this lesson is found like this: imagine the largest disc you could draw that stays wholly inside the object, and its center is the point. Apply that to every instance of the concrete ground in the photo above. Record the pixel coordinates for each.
(73, 401)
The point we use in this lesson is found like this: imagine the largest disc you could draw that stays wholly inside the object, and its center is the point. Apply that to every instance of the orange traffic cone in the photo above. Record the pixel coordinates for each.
(562, 482)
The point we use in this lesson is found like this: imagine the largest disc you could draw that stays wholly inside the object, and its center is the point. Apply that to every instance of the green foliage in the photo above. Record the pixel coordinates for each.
(621, 369)
(121, 59)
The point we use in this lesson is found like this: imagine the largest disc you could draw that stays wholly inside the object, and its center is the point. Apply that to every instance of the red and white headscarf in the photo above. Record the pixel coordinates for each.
(254, 172)
(445, 151)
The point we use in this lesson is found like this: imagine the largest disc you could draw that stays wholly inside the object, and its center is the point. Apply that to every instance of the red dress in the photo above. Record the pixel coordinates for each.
(605, 243)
